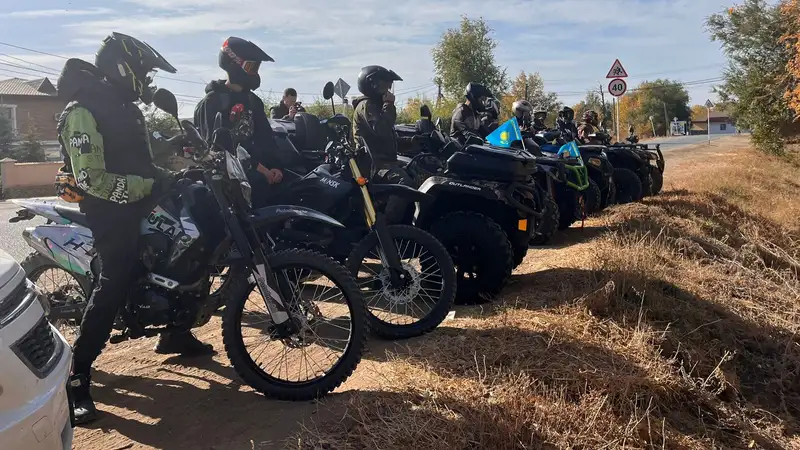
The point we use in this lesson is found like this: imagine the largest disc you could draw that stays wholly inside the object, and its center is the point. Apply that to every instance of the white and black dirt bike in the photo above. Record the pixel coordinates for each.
(304, 304)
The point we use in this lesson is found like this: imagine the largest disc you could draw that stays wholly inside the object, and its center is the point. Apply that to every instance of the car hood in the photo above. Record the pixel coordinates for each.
(9, 268)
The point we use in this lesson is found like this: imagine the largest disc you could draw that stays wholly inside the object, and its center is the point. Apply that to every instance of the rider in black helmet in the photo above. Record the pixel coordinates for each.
(566, 122)
(373, 123)
(105, 145)
(241, 59)
(467, 116)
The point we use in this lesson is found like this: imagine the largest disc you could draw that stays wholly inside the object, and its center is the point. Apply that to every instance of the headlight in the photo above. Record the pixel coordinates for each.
(595, 162)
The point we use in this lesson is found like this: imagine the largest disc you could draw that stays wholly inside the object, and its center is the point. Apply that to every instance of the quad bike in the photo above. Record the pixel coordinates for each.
(638, 168)
(205, 222)
(485, 209)
(406, 275)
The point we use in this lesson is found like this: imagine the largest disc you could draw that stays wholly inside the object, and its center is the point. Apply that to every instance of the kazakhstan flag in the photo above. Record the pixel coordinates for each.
(505, 134)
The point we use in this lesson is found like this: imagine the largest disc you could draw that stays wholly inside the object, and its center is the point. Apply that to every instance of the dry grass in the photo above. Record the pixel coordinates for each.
(681, 332)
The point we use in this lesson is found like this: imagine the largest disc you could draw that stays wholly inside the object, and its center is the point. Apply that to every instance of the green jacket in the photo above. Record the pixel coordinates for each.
(84, 144)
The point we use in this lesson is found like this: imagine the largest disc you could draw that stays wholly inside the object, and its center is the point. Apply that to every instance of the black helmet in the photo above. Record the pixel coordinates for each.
(240, 59)
(370, 76)
(126, 62)
(473, 92)
(567, 114)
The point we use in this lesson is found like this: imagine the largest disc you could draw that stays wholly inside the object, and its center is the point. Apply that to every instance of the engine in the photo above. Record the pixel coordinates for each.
(154, 305)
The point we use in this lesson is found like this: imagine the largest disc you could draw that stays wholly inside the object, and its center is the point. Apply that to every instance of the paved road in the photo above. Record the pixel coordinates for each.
(11, 233)
(680, 141)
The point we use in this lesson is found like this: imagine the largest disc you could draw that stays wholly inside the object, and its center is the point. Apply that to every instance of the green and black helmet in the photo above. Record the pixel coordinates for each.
(127, 62)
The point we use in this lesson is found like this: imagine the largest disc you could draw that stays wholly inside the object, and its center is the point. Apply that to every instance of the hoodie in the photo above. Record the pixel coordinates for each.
(251, 129)
(373, 121)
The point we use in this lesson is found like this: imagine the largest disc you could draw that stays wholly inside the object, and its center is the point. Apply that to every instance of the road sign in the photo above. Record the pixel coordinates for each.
(617, 71)
(709, 104)
(341, 88)
(617, 87)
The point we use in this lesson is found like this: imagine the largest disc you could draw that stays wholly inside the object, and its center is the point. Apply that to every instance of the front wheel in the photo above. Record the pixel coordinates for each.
(325, 303)
(421, 300)
(592, 198)
(658, 180)
(548, 224)
(629, 186)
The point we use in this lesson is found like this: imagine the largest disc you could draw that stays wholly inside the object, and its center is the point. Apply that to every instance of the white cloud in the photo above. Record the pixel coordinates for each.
(572, 43)
(42, 13)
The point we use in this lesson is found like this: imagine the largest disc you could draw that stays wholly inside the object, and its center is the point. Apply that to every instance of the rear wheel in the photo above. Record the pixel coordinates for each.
(316, 286)
(658, 180)
(629, 186)
(592, 198)
(569, 206)
(546, 227)
(427, 292)
(481, 252)
(67, 292)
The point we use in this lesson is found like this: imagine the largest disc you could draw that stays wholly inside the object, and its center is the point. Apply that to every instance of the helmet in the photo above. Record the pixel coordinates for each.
(590, 117)
(370, 76)
(493, 108)
(539, 116)
(240, 59)
(126, 62)
(522, 110)
(475, 91)
(567, 114)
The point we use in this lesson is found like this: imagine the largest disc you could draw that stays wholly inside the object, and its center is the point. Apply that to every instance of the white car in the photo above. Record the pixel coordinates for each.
(35, 363)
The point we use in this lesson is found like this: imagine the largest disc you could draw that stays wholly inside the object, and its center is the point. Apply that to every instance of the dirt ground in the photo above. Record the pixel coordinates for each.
(152, 402)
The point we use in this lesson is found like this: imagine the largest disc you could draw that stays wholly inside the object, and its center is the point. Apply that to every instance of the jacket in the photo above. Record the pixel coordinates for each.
(584, 130)
(104, 139)
(466, 120)
(281, 111)
(373, 121)
(252, 129)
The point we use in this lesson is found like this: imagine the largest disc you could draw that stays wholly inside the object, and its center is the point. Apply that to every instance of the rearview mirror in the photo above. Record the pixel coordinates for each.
(327, 91)
(425, 112)
(166, 101)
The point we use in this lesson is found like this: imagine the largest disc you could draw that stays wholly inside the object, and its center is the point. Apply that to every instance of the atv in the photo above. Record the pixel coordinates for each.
(638, 168)
(485, 204)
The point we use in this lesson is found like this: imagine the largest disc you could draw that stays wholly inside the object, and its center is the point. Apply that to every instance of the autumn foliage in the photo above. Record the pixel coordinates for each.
(790, 10)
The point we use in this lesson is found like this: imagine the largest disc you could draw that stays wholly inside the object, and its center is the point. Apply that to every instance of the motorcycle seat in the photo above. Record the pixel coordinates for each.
(72, 214)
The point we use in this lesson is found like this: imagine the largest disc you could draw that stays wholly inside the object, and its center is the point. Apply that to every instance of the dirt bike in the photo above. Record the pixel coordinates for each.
(205, 222)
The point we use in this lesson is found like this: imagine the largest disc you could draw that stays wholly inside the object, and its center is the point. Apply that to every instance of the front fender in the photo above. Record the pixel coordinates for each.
(270, 215)
(400, 190)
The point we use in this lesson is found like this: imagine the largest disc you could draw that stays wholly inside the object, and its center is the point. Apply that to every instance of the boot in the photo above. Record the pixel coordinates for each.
(82, 403)
(182, 342)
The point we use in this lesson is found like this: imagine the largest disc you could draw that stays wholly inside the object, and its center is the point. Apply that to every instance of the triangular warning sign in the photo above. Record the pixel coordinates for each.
(617, 71)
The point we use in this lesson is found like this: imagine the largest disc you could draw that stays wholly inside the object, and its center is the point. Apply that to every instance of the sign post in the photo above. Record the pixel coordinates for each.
(709, 105)
(617, 87)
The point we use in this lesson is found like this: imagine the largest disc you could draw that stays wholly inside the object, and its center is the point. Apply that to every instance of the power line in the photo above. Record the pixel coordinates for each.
(3, 63)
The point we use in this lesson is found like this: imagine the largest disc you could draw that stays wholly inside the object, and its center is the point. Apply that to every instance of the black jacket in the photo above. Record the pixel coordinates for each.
(252, 130)
(373, 120)
(466, 120)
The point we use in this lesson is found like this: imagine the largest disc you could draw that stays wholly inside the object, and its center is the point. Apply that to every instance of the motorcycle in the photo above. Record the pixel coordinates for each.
(207, 221)
(407, 276)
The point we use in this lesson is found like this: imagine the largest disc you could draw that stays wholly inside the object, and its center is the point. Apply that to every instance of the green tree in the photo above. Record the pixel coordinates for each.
(466, 54)
(530, 86)
(6, 135)
(29, 150)
(654, 98)
(756, 76)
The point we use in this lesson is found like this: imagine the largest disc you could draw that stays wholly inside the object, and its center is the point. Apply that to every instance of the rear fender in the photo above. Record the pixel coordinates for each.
(436, 185)
(271, 215)
(384, 190)
(42, 208)
(69, 246)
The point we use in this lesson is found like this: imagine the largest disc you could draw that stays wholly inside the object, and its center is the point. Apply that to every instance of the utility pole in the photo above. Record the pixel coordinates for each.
(526, 89)
(666, 119)
(615, 111)
(603, 101)
(439, 92)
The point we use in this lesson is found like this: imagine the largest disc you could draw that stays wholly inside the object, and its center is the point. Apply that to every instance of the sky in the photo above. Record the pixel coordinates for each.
(571, 43)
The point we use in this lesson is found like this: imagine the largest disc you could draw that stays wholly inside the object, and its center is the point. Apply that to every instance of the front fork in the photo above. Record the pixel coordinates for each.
(390, 258)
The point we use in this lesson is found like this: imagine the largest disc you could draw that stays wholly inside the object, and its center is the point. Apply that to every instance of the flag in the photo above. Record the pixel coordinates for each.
(505, 134)
(570, 149)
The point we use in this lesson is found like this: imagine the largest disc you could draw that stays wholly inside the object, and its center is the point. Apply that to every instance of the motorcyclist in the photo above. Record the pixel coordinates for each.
(107, 154)
(589, 127)
(467, 115)
(539, 118)
(374, 117)
(566, 123)
(241, 59)
(522, 110)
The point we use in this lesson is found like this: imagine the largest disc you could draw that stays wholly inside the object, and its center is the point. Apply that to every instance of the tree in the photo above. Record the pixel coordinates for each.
(699, 111)
(756, 79)
(466, 54)
(29, 150)
(6, 135)
(530, 87)
(442, 110)
(790, 11)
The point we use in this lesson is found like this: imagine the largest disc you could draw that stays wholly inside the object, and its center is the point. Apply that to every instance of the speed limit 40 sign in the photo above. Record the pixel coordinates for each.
(617, 87)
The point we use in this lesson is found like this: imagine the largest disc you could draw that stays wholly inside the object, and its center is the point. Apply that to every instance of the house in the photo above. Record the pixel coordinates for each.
(721, 123)
(32, 105)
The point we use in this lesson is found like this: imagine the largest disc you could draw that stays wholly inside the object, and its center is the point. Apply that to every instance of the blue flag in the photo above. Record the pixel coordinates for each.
(505, 134)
